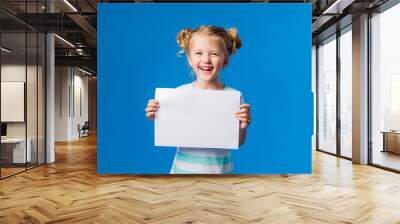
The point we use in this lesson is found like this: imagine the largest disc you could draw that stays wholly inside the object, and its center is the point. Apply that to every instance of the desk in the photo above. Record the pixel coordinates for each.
(13, 150)
(391, 141)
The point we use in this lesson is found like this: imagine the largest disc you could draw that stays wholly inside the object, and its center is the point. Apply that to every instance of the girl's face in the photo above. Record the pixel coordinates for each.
(206, 57)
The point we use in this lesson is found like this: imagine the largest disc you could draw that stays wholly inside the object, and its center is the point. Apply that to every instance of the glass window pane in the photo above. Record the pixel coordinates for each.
(13, 86)
(346, 94)
(386, 89)
(327, 96)
(22, 87)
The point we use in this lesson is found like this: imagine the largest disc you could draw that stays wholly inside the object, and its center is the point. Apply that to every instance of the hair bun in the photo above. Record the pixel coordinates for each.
(236, 42)
(183, 38)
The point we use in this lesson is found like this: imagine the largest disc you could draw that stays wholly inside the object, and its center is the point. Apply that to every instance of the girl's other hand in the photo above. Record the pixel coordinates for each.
(151, 109)
(244, 115)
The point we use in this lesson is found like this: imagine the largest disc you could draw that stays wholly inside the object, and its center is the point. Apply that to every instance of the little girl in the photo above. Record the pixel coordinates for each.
(208, 49)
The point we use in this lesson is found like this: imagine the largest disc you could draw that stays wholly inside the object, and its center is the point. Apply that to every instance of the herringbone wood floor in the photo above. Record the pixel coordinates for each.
(70, 191)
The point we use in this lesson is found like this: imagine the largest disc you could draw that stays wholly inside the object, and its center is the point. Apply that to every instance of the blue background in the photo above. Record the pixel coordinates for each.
(137, 53)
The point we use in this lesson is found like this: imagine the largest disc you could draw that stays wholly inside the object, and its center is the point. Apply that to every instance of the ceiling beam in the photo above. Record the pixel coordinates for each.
(85, 25)
(83, 61)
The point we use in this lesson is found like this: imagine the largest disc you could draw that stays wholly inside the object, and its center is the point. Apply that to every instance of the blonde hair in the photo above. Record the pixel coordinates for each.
(229, 37)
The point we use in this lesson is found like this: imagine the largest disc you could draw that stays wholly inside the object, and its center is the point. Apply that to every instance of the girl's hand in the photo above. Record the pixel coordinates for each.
(151, 109)
(244, 115)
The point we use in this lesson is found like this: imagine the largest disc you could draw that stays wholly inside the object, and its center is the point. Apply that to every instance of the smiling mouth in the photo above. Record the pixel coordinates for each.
(207, 69)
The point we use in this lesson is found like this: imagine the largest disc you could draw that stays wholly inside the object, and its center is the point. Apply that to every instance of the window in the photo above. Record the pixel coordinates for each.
(327, 95)
(346, 92)
(385, 88)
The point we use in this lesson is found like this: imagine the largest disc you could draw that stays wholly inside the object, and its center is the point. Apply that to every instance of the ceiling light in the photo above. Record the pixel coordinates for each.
(65, 41)
(70, 5)
(84, 71)
(5, 50)
(337, 7)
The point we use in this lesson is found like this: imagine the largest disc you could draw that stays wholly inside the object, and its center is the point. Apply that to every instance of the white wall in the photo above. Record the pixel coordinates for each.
(71, 87)
(80, 105)
(15, 72)
(62, 81)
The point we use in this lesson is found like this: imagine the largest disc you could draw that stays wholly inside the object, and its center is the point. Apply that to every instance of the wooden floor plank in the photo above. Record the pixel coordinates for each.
(70, 191)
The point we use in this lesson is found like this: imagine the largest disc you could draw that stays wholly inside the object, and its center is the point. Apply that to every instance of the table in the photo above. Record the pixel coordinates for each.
(13, 150)
(391, 141)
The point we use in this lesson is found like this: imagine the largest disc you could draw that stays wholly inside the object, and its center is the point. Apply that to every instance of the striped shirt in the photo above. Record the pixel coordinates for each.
(201, 160)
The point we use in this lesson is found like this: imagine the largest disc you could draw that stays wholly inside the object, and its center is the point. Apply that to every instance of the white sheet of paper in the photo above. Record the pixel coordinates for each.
(197, 118)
